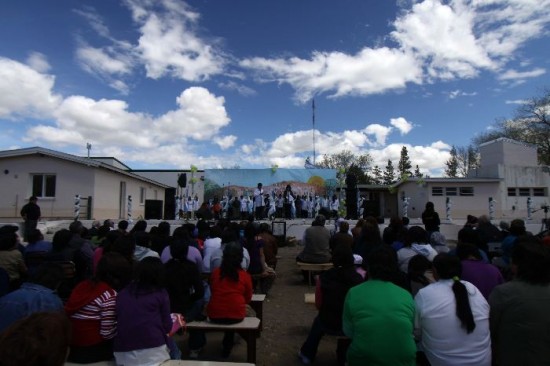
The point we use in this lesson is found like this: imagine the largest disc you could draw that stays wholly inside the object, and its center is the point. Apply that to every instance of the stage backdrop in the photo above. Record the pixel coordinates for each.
(242, 182)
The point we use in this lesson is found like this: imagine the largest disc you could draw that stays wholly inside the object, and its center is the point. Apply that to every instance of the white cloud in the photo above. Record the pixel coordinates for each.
(38, 62)
(515, 75)
(25, 92)
(370, 71)
(200, 115)
(99, 60)
(225, 142)
(169, 45)
(402, 125)
(380, 133)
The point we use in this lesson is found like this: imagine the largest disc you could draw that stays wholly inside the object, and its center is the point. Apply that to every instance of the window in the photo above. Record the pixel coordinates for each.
(539, 192)
(466, 191)
(437, 191)
(512, 192)
(524, 192)
(450, 191)
(43, 185)
(141, 195)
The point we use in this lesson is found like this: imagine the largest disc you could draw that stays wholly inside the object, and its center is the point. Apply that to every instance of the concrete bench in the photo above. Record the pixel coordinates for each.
(248, 329)
(311, 268)
(257, 303)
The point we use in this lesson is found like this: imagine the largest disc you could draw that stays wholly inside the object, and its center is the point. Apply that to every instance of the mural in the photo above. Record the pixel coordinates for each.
(220, 183)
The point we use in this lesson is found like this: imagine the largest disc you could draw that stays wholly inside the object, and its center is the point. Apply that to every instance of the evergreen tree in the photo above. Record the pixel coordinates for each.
(389, 173)
(377, 177)
(451, 170)
(417, 173)
(404, 167)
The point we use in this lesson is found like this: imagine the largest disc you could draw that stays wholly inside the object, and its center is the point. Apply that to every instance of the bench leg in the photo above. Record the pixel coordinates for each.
(250, 337)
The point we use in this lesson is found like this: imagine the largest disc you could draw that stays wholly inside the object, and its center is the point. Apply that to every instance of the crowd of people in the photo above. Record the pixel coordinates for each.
(130, 288)
(403, 296)
(397, 296)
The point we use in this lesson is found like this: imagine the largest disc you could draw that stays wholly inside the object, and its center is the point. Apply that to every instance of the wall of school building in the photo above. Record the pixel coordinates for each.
(104, 186)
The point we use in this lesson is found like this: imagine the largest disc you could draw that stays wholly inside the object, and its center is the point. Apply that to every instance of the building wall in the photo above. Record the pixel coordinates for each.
(505, 151)
(170, 178)
(108, 202)
(71, 179)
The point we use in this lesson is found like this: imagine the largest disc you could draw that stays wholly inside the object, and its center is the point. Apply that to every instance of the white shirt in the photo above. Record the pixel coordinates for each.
(405, 254)
(444, 340)
(210, 245)
(259, 198)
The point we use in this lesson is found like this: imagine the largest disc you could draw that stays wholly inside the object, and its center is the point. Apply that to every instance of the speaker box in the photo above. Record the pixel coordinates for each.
(153, 210)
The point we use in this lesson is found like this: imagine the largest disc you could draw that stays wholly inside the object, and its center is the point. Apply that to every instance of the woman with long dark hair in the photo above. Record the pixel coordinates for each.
(453, 317)
(231, 288)
(143, 317)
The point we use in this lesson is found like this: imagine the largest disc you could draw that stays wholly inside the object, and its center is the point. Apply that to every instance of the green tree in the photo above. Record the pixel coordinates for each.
(452, 164)
(530, 124)
(389, 173)
(377, 176)
(417, 173)
(468, 159)
(404, 166)
(346, 160)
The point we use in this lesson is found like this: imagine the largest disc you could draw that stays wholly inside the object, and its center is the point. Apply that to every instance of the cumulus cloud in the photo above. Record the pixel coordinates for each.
(225, 142)
(402, 125)
(169, 44)
(370, 71)
(25, 92)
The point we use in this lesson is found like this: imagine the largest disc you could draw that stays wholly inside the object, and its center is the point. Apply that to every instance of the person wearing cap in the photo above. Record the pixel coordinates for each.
(31, 214)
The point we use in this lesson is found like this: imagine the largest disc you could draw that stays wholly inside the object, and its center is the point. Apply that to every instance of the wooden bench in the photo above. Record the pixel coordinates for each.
(257, 303)
(248, 329)
(311, 268)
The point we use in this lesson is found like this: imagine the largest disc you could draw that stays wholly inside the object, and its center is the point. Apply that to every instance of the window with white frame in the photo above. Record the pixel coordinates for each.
(512, 192)
(43, 185)
(539, 192)
(524, 192)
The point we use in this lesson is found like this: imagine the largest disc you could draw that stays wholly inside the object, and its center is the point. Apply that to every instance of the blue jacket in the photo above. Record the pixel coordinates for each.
(30, 298)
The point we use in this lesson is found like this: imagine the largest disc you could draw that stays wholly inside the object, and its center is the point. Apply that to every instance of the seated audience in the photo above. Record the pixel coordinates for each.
(379, 316)
(482, 275)
(36, 242)
(419, 273)
(231, 288)
(254, 243)
(11, 259)
(415, 243)
(519, 315)
(91, 310)
(143, 317)
(330, 293)
(453, 318)
(36, 295)
(186, 291)
(316, 242)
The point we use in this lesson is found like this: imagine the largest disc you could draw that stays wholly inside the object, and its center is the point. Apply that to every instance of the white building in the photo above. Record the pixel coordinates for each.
(105, 185)
(508, 184)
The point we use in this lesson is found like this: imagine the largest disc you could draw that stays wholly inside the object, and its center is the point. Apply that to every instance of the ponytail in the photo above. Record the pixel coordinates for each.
(449, 267)
(463, 309)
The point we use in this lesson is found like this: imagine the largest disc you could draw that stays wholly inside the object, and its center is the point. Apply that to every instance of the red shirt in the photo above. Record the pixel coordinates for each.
(229, 298)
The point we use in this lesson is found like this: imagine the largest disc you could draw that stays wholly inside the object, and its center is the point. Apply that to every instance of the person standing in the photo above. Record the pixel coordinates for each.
(259, 201)
(31, 214)
(288, 202)
(430, 219)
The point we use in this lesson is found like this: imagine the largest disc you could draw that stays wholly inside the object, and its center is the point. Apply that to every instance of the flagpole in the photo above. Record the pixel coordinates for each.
(313, 117)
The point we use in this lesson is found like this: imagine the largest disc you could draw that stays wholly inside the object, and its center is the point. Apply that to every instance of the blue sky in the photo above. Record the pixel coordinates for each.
(218, 84)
